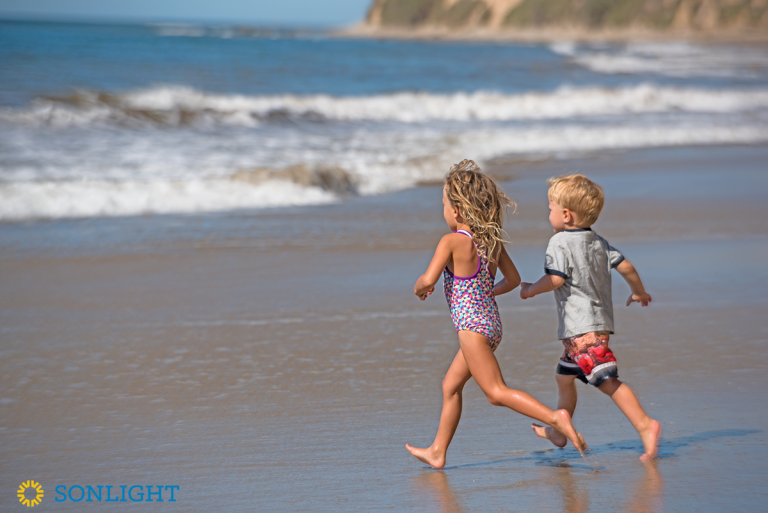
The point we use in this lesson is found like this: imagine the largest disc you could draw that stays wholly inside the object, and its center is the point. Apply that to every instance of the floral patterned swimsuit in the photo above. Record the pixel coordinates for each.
(471, 300)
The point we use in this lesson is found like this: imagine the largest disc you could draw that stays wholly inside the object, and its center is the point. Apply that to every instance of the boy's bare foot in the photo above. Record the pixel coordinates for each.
(651, 438)
(551, 434)
(565, 426)
(428, 456)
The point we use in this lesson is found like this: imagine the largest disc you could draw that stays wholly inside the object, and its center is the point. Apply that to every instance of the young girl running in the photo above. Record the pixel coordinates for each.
(468, 258)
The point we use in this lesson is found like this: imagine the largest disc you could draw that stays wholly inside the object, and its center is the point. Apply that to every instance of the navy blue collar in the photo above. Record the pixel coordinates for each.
(579, 230)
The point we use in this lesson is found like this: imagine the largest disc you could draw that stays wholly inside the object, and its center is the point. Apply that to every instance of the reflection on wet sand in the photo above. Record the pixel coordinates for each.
(574, 496)
(648, 493)
(645, 495)
(438, 491)
(643, 492)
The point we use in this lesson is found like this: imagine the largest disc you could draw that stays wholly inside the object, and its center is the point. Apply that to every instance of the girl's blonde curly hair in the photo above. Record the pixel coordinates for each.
(481, 204)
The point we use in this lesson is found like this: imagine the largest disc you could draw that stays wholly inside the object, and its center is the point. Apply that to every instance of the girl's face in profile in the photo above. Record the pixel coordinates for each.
(450, 213)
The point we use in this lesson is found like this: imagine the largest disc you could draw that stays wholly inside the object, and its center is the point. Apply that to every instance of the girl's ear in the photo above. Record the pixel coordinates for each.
(456, 213)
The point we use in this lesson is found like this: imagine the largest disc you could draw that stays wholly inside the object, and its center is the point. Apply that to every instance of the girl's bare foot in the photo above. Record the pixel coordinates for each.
(551, 434)
(428, 456)
(563, 424)
(651, 438)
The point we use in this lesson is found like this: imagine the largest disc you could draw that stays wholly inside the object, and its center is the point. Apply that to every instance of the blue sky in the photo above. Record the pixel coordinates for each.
(293, 12)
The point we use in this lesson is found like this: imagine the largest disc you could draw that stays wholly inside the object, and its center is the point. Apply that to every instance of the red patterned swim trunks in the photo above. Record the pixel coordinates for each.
(589, 358)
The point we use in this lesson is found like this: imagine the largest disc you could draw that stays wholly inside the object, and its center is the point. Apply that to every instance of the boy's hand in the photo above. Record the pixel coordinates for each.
(524, 287)
(426, 294)
(643, 299)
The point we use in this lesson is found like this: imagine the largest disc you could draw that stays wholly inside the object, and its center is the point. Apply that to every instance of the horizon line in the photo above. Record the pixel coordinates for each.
(113, 20)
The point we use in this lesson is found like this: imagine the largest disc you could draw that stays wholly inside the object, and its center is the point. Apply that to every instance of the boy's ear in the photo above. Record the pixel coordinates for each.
(567, 216)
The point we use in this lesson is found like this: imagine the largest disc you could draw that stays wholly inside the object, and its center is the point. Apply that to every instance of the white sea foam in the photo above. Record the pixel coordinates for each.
(667, 59)
(368, 159)
(574, 138)
(563, 47)
(30, 200)
(174, 149)
(181, 106)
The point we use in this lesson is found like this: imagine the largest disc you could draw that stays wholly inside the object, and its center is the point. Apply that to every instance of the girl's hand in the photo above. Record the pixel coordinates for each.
(427, 293)
(643, 299)
(524, 287)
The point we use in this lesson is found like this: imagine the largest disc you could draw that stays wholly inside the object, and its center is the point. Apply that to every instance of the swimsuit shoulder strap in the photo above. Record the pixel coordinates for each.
(480, 254)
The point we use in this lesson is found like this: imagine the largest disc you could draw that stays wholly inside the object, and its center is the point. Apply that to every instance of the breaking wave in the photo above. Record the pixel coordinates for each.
(422, 158)
(680, 60)
(171, 106)
(49, 199)
(178, 150)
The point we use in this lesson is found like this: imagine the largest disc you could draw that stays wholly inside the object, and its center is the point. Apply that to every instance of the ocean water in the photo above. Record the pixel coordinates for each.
(99, 120)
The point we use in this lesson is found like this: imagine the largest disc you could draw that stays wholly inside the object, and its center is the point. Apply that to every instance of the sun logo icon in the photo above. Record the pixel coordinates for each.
(22, 493)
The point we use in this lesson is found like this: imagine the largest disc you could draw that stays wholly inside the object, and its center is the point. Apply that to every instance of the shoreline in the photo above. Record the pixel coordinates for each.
(548, 35)
(505, 167)
(354, 217)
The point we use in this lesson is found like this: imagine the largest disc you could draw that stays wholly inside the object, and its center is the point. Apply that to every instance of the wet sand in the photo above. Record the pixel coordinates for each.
(277, 360)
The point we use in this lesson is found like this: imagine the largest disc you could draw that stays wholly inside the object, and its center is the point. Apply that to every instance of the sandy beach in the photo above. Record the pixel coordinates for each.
(277, 359)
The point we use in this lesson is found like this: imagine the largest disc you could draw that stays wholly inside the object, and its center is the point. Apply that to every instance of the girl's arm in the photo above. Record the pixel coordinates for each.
(425, 285)
(511, 276)
(546, 283)
(629, 273)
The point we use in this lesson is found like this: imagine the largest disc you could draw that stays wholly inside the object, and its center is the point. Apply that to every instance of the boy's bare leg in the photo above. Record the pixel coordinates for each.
(648, 429)
(485, 369)
(566, 400)
(453, 384)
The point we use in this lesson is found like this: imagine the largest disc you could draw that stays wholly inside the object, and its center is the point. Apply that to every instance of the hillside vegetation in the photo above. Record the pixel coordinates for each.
(658, 15)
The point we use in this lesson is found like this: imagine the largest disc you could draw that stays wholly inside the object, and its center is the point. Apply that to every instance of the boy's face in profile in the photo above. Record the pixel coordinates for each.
(556, 216)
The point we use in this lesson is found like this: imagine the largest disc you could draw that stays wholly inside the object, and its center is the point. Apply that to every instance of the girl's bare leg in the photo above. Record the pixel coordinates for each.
(566, 400)
(648, 429)
(485, 369)
(453, 384)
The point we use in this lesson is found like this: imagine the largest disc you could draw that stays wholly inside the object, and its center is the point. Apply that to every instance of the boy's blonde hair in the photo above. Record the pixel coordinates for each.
(480, 202)
(578, 194)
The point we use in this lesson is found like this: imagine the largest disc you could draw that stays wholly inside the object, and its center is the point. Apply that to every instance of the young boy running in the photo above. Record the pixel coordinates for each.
(578, 267)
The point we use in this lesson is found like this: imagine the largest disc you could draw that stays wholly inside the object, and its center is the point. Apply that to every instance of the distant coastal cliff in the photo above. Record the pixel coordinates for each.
(731, 19)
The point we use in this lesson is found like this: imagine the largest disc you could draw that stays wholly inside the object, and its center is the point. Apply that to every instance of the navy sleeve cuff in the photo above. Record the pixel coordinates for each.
(556, 273)
(620, 260)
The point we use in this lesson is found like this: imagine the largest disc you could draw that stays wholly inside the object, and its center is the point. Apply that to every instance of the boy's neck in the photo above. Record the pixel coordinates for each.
(571, 227)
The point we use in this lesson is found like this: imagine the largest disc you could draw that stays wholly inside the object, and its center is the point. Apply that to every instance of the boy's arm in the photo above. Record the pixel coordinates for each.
(511, 276)
(629, 273)
(425, 285)
(546, 283)
(557, 266)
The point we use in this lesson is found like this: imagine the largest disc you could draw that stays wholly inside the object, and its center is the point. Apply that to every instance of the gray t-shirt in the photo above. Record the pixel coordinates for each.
(584, 301)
